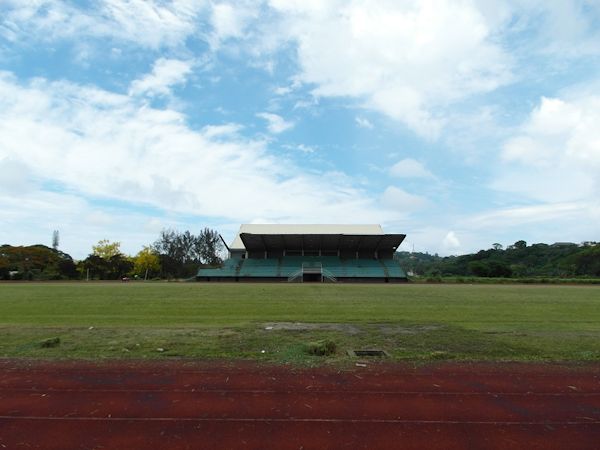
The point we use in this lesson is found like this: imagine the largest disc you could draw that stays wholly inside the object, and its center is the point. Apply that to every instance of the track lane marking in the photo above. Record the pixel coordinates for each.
(306, 392)
(287, 420)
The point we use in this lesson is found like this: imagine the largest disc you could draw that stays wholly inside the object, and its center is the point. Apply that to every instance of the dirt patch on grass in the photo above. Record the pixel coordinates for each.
(300, 326)
(399, 329)
(346, 328)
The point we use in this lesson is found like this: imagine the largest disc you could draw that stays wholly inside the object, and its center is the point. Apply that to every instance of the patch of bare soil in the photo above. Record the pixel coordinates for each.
(300, 326)
(398, 329)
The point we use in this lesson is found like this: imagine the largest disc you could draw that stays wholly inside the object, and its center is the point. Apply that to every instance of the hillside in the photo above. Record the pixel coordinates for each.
(518, 260)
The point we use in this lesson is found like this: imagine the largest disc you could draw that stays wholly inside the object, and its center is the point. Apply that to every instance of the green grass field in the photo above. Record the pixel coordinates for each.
(193, 320)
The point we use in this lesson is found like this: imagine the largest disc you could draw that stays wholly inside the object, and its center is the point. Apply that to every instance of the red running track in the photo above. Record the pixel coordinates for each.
(195, 405)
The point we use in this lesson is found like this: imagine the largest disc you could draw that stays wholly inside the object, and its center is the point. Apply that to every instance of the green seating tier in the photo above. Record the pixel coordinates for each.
(288, 265)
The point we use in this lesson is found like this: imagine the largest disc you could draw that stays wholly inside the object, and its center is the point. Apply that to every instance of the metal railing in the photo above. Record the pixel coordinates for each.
(297, 274)
(312, 269)
(327, 274)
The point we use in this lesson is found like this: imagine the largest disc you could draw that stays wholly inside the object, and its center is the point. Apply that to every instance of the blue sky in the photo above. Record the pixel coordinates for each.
(460, 123)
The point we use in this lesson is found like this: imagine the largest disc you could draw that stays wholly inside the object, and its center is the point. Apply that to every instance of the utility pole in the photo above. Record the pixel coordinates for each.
(55, 239)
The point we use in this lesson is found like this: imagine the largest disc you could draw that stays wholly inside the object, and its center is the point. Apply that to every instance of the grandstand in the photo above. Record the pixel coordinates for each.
(305, 253)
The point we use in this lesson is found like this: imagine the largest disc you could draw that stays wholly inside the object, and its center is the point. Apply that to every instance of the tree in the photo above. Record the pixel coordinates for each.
(105, 249)
(181, 252)
(209, 247)
(4, 267)
(173, 251)
(146, 262)
(499, 269)
(497, 246)
(55, 239)
(587, 262)
(479, 269)
(96, 267)
(36, 262)
(107, 261)
(113, 268)
(520, 244)
(120, 266)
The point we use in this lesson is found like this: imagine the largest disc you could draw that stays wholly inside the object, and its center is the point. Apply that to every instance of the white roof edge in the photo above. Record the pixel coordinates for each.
(237, 243)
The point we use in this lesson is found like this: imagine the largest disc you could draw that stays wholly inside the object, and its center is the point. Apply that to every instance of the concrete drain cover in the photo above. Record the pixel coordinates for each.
(369, 353)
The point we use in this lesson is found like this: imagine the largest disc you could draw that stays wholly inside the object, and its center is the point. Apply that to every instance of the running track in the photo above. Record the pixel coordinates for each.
(195, 405)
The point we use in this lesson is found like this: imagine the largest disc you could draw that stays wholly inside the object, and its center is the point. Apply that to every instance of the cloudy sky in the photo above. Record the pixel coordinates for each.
(460, 123)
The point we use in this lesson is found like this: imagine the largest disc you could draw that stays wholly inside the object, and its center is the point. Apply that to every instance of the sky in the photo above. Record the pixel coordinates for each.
(459, 123)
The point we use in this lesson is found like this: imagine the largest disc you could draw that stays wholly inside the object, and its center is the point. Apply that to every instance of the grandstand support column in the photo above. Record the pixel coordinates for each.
(262, 239)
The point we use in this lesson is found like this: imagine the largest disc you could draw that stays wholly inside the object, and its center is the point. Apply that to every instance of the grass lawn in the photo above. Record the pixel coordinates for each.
(194, 320)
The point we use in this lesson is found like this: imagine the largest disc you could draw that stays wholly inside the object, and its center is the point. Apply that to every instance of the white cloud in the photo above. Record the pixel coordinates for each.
(555, 156)
(227, 130)
(275, 123)
(540, 222)
(405, 59)
(559, 128)
(363, 122)
(99, 218)
(428, 237)
(165, 74)
(31, 217)
(451, 242)
(282, 90)
(98, 144)
(231, 20)
(15, 177)
(551, 165)
(410, 168)
(147, 23)
(526, 215)
(153, 23)
(402, 201)
(565, 28)
(306, 148)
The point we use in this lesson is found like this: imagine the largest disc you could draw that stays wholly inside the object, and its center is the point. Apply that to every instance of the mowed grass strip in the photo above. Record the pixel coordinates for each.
(414, 322)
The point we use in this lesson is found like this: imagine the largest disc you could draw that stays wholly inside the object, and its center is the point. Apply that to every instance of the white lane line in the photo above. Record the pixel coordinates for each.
(303, 392)
(290, 420)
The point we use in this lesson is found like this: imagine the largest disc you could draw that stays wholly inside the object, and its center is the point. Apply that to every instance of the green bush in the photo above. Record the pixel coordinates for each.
(50, 342)
(321, 348)
(434, 279)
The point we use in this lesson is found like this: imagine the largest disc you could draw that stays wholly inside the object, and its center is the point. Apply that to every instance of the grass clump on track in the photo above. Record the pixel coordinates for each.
(321, 348)
(194, 320)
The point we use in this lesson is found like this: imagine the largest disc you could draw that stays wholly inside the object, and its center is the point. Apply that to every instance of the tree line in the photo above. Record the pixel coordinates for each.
(178, 254)
(174, 254)
(519, 260)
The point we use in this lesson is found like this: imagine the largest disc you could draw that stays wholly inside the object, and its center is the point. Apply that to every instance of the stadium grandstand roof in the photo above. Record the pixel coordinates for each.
(356, 238)
(298, 229)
